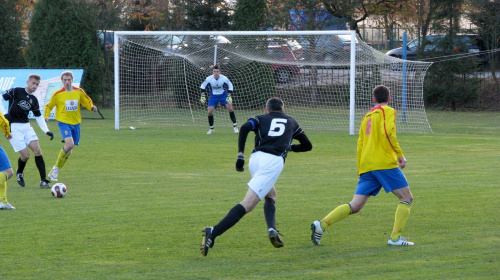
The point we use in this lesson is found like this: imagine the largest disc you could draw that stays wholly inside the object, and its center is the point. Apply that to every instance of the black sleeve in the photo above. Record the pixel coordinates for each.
(304, 146)
(8, 94)
(37, 113)
(229, 92)
(242, 138)
(36, 108)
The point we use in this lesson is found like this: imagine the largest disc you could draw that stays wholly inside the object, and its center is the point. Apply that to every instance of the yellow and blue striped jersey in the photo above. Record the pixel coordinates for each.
(68, 104)
(378, 148)
(4, 125)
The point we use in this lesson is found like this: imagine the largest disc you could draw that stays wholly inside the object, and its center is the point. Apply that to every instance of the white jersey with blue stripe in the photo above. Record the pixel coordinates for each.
(217, 86)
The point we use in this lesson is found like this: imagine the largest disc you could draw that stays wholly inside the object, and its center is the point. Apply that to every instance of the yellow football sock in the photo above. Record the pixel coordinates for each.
(3, 187)
(339, 213)
(62, 158)
(402, 215)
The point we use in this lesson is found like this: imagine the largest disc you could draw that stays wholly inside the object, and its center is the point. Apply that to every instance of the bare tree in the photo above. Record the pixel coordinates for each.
(356, 11)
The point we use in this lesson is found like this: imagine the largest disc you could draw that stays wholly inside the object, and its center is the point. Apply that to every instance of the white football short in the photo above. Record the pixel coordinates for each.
(22, 135)
(265, 170)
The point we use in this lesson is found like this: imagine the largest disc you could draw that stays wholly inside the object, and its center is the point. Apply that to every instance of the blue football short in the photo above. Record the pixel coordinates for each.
(213, 100)
(371, 182)
(68, 130)
(4, 160)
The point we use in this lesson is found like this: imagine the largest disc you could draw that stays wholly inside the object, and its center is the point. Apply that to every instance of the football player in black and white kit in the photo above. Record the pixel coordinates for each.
(274, 132)
(21, 102)
(219, 88)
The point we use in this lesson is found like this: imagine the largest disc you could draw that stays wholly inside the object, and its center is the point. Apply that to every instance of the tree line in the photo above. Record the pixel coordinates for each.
(63, 33)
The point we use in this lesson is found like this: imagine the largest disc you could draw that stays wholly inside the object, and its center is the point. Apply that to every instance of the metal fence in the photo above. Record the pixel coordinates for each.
(379, 39)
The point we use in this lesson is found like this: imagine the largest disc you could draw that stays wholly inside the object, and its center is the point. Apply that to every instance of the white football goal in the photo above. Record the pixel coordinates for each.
(325, 78)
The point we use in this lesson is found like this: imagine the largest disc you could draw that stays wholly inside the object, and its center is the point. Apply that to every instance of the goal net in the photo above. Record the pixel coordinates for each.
(325, 78)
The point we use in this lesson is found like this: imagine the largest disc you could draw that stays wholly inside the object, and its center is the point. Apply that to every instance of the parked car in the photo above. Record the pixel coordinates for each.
(199, 41)
(293, 44)
(283, 52)
(106, 38)
(462, 43)
(330, 49)
(171, 44)
(219, 39)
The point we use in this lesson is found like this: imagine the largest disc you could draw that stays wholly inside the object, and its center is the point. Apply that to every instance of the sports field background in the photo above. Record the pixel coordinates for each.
(138, 200)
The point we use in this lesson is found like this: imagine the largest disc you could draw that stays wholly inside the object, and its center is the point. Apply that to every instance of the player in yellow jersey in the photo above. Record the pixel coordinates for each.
(5, 166)
(380, 160)
(68, 115)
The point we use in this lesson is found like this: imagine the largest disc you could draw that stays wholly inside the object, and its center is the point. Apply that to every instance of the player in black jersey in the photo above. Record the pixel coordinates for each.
(21, 102)
(274, 132)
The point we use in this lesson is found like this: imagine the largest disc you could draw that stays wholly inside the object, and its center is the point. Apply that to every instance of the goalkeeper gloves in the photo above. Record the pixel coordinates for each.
(240, 162)
(203, 99)
(50, 134)
(229, 100)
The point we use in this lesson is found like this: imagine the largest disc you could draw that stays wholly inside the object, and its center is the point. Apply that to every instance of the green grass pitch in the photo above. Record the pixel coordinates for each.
(138, 200)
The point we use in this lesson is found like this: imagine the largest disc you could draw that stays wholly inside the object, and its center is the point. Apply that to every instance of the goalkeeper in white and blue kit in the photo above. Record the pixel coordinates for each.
(219, 89)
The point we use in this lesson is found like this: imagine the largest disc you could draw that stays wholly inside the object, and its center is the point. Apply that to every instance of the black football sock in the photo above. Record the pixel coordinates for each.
(40, 164)
(211, 121)
(20, 165)
(270, 213)
(232, 116)
(232, 217)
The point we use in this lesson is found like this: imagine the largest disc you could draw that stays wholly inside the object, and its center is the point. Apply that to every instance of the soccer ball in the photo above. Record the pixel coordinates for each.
(59, 190)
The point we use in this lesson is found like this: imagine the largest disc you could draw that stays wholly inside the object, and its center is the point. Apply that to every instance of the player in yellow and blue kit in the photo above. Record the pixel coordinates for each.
(380, 160)
(5, 166)
(68, 114)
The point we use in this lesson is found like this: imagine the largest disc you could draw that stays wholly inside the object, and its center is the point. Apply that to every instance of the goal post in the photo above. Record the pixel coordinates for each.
(324, 77)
